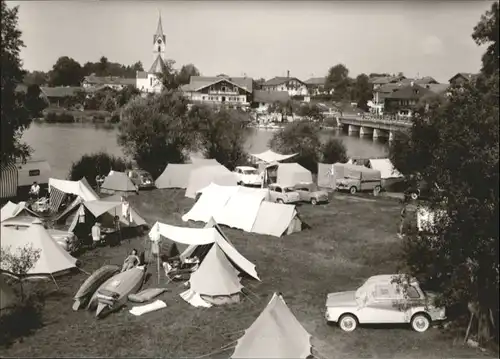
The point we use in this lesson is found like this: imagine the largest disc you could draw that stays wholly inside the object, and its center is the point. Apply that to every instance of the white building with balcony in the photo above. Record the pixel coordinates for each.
(292, 85)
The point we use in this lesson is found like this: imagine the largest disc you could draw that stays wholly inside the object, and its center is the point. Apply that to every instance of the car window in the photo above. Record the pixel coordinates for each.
(303, 189)
(250, 172)
(238, 170)
(277, 189)
(412, 293)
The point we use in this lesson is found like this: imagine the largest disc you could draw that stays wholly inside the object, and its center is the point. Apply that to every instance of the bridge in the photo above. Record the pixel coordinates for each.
(373, 126)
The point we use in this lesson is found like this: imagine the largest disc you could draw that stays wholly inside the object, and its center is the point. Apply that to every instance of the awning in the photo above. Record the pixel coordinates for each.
(270, 156)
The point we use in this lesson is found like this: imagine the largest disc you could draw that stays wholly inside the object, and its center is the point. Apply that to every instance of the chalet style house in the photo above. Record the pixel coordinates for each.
(292, 85)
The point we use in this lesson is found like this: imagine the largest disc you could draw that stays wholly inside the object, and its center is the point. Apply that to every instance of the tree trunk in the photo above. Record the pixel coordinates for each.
(484, 331)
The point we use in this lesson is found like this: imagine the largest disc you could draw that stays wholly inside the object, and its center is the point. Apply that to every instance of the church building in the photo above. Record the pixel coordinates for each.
(150, 81)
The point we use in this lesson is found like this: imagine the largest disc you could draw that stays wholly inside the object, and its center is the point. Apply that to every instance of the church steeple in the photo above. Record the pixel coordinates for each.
(159, 39)
(159, 31)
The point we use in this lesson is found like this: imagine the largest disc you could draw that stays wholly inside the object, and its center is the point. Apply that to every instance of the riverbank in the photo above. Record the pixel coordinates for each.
(350, 239)
(59, 115)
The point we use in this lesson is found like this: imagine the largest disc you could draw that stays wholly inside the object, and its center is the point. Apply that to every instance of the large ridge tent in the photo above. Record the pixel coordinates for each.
(276, 333)
(201, 177)
(388, 173)
(270, 156)
(197, 237)
(11, 210)
(246, 209)
(216, 281)
(7, 297)
(176, 175)
(290, 174)
(53, 259)
(118, 182)
(58, 189)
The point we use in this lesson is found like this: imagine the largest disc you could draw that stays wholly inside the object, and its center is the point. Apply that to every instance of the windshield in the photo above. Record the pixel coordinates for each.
(249, 172)
(288, 189)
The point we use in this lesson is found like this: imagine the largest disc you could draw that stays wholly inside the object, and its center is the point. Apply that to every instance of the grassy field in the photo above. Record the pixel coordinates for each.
(350, 239)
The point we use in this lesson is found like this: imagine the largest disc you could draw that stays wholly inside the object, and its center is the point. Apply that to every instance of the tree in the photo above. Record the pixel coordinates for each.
(310, 112)
(184, 75)
(221, 134)
(300, 137)
(99, 163)
(338, 80)
(156, 130)
(374, 74)
(333, 151)
(20, 262)
(39, 78)
(15, 117)
(486, 32)
(363, 91)
(102, 67)
(34, 102)
(66, 72)
(169, 76)
(455, 145)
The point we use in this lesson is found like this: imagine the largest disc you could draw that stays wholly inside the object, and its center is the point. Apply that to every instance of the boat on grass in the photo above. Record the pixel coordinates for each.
(91, 284)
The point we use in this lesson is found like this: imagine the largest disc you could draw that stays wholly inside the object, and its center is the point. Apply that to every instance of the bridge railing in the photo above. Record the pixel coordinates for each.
(381, 119)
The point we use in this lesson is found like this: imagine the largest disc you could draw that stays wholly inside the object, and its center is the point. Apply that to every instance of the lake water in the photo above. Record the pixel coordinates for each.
(62, 144)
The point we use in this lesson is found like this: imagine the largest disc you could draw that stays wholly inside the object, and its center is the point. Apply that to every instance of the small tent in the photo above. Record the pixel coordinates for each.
(389, 175)
(290, 174)
(7, 297)
(325, 175)
(276, 333)
(176, 175)
(11, 210)
(118, 183)
(216, 281)
(53, 258)
(270, 156)
(277, 219)
(201, 177)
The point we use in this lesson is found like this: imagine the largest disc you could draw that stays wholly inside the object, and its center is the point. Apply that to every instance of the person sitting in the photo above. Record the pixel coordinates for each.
(131, 261)
(34, 190)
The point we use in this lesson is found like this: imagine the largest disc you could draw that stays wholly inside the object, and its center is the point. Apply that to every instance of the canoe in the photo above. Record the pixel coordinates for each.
(113, 293)
(91, 284)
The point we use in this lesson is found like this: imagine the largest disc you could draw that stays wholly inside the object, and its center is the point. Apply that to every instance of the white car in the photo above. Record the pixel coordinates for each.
(283, 194)
(380, 300)
(248, 176)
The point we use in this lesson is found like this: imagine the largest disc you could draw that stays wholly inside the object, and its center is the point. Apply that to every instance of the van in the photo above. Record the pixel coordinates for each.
(16, 179)
(354, 178)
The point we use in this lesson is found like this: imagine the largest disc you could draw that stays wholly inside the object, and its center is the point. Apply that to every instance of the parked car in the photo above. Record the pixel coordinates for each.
(309, 192)
(142, 179)
(354, 178)
(281, 194)
(248, 176)
(67, 240)
(381, 300)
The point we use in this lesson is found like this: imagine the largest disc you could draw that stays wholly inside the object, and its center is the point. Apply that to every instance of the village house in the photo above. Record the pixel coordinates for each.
(113, 82)
(316, 86)
(404, 101)
(462, 78)
(264, 99)
(231, 91)
(292, 85)
(150, 81)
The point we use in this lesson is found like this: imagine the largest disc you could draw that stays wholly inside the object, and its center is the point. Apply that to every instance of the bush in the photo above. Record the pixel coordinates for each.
(333, 151)
(100, 163)
(53, 117)
(115, 118)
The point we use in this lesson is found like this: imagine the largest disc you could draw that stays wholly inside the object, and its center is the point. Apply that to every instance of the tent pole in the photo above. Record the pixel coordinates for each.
(158, 262)
(54, 281)
(83, 271)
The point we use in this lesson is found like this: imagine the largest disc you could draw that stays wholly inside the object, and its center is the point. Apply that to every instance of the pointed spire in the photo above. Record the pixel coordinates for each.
(159, 29)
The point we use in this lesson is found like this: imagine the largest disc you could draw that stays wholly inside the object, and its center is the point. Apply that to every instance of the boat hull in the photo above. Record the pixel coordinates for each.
(92, 283)
(112, 294)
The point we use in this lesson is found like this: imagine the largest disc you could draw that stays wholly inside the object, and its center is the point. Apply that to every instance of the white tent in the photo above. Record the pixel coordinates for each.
(270, 156)
(118, 182)
(176, 175)
(53, 258)
(80, 188)
(276, 333)
(203, 236)
(386, 168)
(276, 219)
(246, 209)
(201, 177)
(290, 174)
(11, 210)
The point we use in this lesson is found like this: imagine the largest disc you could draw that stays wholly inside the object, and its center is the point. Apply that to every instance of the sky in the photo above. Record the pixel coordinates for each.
(260, 38)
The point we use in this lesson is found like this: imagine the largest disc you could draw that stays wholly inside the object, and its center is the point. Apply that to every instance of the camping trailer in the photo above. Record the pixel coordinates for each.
(16, 179)
(354, 178)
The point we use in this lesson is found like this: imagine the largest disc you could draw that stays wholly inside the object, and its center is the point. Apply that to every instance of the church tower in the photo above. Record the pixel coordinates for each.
(159, 39)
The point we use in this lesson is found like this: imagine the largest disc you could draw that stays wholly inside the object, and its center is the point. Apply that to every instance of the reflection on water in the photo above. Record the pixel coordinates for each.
(62, 144)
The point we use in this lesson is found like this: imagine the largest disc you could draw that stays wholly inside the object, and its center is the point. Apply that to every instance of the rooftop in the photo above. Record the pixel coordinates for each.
(410, 92)
(316, 81)
(108, 80)
(199, 82)
(270, 96)
(279, 80)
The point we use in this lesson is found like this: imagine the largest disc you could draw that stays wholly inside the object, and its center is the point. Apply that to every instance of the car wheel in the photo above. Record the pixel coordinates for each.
(348, 322)
(420, 322)
(414, 196)
(376, 190)
(353, 190)
(279, 200)
(314, 201)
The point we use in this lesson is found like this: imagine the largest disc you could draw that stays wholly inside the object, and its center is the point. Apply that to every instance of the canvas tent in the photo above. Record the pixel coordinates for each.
(290, 174)
(7, 297)
(270, 156)
(203, 237)
(118, 182)
(53, 258)
(59, 189)
(201, 177)
(276, 333)
(325, 175)
(388, 173)
(11, 210)
(176, 175)
(246, 209)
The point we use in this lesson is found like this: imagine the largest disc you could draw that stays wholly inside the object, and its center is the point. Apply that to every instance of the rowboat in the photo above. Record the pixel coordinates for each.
(113, 293)
(91, 284)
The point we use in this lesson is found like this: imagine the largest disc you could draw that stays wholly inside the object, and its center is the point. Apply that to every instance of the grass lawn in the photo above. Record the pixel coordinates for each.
(350, 239)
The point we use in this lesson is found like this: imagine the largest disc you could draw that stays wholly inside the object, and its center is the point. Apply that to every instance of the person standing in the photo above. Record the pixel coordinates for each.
(97, 237)
(403, 217)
